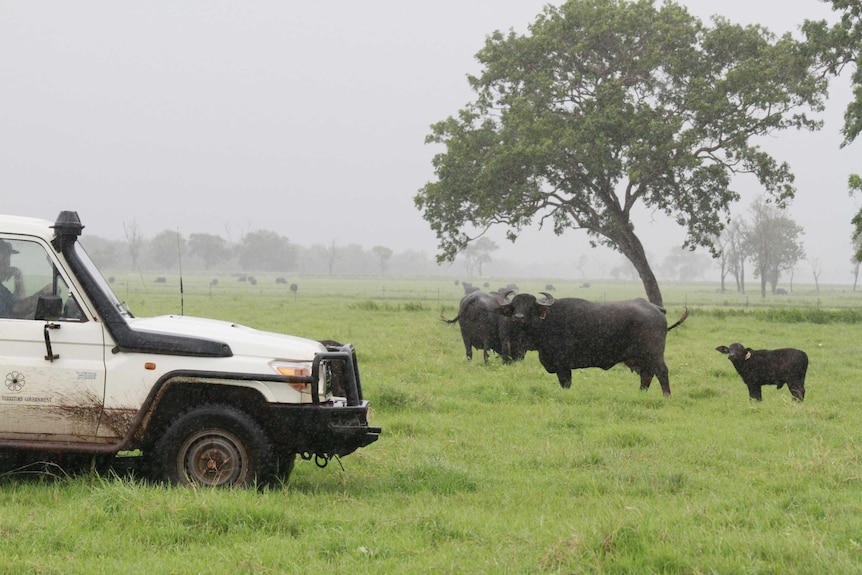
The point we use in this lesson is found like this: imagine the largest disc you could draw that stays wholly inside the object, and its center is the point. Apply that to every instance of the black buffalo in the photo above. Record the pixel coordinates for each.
(760, 367)
(572, 333)
(483, 328)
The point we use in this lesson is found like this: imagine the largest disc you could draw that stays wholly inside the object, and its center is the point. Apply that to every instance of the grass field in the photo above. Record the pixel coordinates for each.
(496, 469)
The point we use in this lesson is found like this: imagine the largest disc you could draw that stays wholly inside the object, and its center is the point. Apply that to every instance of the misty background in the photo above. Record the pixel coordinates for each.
(309, 120)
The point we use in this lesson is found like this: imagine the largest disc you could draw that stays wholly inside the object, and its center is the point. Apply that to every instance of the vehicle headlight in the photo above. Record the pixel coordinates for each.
(294, 369)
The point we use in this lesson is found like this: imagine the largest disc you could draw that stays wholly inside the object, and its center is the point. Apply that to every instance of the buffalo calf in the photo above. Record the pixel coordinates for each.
(759, 367)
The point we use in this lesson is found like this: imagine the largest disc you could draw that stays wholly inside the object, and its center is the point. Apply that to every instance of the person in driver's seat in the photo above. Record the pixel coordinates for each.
(8, 299)
(13, 304)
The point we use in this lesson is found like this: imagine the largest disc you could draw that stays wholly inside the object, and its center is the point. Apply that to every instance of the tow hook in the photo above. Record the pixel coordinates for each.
(320, 460)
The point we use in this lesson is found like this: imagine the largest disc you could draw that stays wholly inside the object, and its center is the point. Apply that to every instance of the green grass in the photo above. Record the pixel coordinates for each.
(495, 469)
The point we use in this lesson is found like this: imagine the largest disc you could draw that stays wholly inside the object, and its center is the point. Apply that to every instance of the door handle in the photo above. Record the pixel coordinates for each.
(49, 326)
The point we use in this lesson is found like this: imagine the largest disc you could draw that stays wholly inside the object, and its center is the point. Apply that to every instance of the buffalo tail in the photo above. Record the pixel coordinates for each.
(682, 319)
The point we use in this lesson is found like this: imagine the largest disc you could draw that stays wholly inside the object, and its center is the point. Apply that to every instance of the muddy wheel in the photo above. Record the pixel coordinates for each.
(216, 446)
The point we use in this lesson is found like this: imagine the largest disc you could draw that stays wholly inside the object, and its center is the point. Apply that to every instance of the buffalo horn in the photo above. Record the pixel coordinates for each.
(549, 299)
(504, 296)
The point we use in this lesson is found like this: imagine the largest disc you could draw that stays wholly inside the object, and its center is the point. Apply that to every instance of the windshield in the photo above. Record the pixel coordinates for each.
(103, 285)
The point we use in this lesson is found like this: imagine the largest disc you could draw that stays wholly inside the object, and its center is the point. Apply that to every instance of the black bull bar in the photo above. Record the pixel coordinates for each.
(344, 372)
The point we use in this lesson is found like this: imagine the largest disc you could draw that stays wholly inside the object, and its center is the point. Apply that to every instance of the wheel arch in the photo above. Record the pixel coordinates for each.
(178, 391)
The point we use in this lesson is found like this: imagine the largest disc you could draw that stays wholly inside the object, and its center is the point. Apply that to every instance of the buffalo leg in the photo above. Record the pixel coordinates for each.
(754, 392)
(663, 378)
(505, 353)
(646, 380)
(565, 377)
(797, 391)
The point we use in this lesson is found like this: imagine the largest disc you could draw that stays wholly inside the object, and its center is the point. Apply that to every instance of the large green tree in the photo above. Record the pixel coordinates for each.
(607, 104)
(840, 46)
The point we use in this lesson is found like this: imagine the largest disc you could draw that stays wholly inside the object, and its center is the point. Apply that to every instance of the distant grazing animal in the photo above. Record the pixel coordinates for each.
(760, 367)
(572, 333)
(483, 328)
(468, 288)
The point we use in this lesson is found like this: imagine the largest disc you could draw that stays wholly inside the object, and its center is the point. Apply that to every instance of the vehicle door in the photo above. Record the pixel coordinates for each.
(52, 369)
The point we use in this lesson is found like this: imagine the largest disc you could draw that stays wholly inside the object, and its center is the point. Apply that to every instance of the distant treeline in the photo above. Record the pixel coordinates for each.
(256, 252)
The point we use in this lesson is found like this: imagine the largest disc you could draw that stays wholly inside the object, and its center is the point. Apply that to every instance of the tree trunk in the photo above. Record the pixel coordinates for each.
(631, 247)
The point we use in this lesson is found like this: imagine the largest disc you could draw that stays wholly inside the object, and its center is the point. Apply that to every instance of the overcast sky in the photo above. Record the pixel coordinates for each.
(305, 118)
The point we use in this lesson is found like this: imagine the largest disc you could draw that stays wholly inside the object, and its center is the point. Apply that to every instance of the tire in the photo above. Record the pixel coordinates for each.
(216, 446)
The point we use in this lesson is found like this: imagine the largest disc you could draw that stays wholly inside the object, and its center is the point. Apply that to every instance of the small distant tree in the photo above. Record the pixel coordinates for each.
(581, 264)
(816, 271)
(265, 250)
(166, 248)
(685, 265)
(135, 241)
(383, 254)
(774, 244)
(734, 249)
(212, 249)
(478, 254)
(331, 256)
(624, 270)
(106, 253)
(720, 242)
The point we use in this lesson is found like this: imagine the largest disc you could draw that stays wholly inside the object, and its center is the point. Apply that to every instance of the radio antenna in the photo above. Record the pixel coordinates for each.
(180, 260)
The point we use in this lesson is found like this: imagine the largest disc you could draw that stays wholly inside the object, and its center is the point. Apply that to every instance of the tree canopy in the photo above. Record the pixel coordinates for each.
(840, 46)
(607, 104)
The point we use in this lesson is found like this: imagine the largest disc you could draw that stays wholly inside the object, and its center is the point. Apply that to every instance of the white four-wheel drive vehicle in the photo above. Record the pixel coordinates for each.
(206, 402)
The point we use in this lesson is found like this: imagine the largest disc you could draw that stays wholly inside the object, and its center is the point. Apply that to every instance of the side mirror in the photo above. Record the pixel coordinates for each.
(49, 307)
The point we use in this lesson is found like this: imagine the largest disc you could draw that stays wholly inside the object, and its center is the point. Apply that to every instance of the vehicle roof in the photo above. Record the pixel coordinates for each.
(26, 226)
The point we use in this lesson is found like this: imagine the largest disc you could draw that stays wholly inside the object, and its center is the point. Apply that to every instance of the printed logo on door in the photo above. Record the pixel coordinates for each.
(15, 381)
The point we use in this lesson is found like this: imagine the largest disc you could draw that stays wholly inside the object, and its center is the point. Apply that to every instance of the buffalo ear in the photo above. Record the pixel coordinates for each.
(505, 310)
(723, 349)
